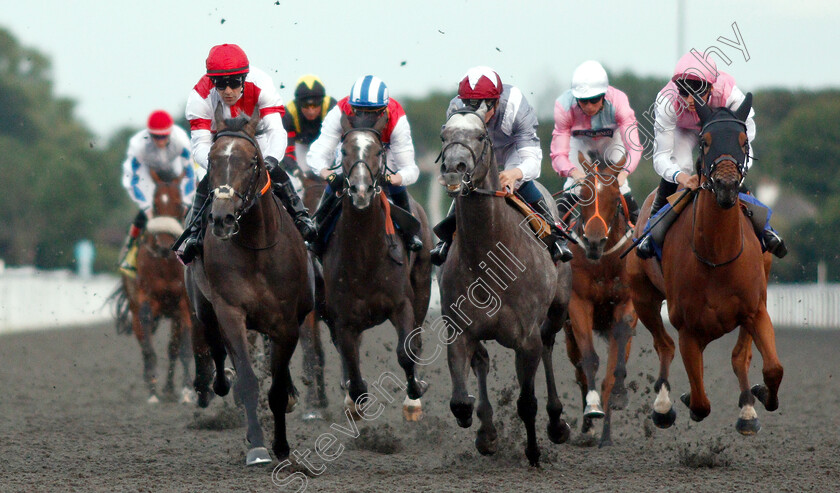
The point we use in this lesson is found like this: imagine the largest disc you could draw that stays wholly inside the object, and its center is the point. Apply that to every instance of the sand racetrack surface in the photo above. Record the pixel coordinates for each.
(73, 417)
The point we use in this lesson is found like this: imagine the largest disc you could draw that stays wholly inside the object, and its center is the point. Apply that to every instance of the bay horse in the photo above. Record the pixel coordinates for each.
(158, 290)
(714, 276)
(253, 274)
(369, 276)
(601, 299)
(482, 295)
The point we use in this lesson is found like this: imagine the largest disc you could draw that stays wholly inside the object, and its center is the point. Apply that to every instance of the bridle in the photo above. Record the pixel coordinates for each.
(249, 198)
(597, 216)
(467, 184)
(708, 185)
(378, 177)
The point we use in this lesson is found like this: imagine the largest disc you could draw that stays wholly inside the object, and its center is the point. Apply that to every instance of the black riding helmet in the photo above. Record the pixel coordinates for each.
(310, 89)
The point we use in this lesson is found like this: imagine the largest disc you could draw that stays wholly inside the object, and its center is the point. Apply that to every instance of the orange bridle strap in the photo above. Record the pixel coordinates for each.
(389, 224)
(597, 213)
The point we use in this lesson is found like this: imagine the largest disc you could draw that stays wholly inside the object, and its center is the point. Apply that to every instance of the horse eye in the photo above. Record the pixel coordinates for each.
(481, 137)
(343, 152)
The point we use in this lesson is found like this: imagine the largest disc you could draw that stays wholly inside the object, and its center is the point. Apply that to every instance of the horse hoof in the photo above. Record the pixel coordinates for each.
(486, 445)
(686, 399)
(351, 408)
(618, 402)
(257, 456)
(312, 415)
(204, 398)
(559, 432)
(412, 410)
(463, 411)
(664, 420)
(188, 396)
(748, 427)
(763, 395)
(605, 442)
(153, 399)
(533, 457)
(291, 404)
(593, 412)
(586, 426)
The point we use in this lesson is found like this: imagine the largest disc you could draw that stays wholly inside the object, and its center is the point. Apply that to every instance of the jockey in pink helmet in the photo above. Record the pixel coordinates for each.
(164, 148)
(240, 89)
(676, 137)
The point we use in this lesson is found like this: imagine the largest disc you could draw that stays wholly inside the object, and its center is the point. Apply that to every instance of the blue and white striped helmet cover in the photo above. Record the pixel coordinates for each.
(369, 92)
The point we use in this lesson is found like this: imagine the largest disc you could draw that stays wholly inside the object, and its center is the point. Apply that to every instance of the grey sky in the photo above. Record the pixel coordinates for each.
(120, 60)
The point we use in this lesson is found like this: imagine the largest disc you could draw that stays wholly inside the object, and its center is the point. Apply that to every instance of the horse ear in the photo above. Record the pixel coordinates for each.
(702, 108)
(618, 167)
(587, 166)
(743, 111)
(482, 110)
(345, 124)
(219, 117)
(253, 121)
(381, 122)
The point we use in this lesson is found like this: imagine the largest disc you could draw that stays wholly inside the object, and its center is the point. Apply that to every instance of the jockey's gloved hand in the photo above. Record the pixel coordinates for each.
(275, 170)
(334, 180)
(291, 167)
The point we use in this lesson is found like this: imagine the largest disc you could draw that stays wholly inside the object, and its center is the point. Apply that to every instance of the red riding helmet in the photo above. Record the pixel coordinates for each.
(480, 83)
(160, 123)
(226, 59)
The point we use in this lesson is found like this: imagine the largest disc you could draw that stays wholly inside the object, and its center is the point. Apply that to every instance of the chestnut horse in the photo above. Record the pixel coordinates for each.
(714, 277)
(600, 292)
(253, 274)
(498, 283)
(369, 276)
(158, 290)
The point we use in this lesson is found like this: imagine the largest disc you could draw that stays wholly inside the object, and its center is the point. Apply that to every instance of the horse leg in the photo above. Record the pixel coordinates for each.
(692, 355)
(203, 364)
(622, 333)
(187, 394)
(607, 388)
(486, 440)
(761, 330)
(348, 346)
(558, 430)
(581, 314)
(281, 392)
(459, 355)
(747, 423)
(403, 321)
(173, 349)
(527, 362)
(648, 312)
(573, 352)
(247, 387)
(142, 326)
(313, 367)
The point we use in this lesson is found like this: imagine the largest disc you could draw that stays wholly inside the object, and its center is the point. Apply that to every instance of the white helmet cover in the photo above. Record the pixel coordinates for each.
(589, 80)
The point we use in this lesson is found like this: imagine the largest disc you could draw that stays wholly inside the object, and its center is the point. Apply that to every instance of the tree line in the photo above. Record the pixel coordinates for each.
(59, 184)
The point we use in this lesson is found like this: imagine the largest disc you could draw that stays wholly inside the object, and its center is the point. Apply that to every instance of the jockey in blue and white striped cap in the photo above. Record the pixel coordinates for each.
(369, 92)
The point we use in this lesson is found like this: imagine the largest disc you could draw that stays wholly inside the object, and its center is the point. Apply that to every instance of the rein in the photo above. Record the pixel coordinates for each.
(621, 205)
(380, 176)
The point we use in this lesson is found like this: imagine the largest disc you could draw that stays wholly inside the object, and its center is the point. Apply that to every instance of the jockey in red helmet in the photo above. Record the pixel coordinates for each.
(232, 83)
(161, 147)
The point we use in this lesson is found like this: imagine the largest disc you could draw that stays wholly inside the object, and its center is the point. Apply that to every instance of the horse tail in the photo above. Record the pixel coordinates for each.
(121, 312)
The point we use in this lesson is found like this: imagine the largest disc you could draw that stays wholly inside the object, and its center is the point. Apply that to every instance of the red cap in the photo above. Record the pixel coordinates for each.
(480, 83)
(226, 59)
(160, 123)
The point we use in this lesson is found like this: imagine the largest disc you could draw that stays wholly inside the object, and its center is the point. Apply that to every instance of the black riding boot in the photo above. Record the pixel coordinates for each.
(633, 207)
(444, 230)
(412, 241)
(558, 247)
(189, 244)
(327, 209)
(285, 191)
(645, 249)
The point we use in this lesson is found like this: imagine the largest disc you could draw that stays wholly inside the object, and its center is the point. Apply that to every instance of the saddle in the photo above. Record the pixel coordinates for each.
(756, 212)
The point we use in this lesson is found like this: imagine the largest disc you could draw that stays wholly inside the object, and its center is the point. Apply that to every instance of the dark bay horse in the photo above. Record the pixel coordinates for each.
(714, 277)
(365, 284)
(158, 290)
(498, 283)
(600, 292)
(253, 274)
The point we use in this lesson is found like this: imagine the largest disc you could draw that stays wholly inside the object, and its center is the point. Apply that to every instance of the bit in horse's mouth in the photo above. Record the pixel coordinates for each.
(453, 188)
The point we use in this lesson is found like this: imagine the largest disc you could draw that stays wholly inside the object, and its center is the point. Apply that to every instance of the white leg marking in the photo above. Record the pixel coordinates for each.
(411, 402)
(662, 404)
(748, 413)
(593, 399)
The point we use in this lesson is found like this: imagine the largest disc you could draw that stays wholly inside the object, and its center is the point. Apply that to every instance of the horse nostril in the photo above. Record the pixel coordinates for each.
(229, 220)
(354, 189)
(442, 169)
(461, 167)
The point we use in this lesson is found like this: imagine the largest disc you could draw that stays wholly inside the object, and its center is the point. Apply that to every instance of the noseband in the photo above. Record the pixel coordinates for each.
(249, 198)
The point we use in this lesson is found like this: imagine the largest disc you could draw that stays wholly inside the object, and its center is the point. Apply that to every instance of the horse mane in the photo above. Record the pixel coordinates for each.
(236, 124)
